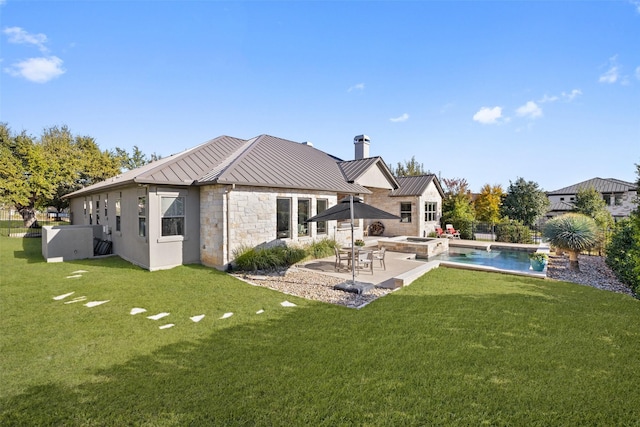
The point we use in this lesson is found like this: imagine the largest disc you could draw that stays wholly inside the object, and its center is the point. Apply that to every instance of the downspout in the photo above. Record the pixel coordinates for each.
(228, 227)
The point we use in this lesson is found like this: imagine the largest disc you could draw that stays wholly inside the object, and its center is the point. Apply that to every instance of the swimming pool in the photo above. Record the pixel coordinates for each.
(503, 259)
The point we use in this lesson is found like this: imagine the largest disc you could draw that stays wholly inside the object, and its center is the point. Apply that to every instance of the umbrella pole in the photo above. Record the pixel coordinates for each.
(353, 259)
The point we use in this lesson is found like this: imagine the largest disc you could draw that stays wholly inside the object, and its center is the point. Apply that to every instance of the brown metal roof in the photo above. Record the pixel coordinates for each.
(415, 185)
(601, 185)
(264, 161)
(354, 169)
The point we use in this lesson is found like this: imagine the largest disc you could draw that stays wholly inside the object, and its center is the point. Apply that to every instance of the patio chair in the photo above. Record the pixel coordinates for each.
(365, 260)
(452, 231)
(379, 255)
(440, 232)
(341, 256)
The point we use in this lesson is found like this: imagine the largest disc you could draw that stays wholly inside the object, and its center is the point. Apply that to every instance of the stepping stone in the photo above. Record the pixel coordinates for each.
(226, 315)
(167, 326)
(95, 303)
(63, 296)
(259, 311)
(287, 304)
(197, 318)
(137, 311)
(75, 276)
(158, 316)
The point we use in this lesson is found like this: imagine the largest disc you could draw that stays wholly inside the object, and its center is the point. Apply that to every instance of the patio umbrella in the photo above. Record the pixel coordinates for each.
(352, 208)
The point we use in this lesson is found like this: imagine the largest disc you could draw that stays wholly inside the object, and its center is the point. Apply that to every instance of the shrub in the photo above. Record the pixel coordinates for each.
(513, 231)
(623, 253)
(572, 232)
(321, 248)
(464, 226)
(271, 258)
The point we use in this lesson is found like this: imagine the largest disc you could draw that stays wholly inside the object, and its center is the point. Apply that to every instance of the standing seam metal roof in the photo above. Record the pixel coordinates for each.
(601, 185)
(414, 185)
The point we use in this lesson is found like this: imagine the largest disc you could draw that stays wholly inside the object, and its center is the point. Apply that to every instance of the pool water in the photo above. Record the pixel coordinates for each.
(503, 259)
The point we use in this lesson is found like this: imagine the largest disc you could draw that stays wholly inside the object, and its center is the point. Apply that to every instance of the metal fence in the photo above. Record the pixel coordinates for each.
(12, 224)
(487, 232)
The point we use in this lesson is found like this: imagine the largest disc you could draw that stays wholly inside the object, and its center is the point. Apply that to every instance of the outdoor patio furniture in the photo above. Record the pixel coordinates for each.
(452, 231)
(440, 232)
(340, 256)
(364, 260)
(379, 255)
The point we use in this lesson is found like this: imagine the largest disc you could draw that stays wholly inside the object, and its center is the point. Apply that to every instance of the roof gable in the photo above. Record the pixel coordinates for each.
(361, 171)
(415, 185)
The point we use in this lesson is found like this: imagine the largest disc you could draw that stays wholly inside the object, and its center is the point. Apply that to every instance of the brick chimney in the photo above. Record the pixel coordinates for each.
(362, 146)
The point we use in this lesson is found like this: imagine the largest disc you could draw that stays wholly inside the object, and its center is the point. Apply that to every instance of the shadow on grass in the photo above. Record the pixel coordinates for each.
(403, 360)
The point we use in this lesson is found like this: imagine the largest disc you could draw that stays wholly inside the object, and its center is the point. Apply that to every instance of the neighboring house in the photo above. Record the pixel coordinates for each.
(618, 195)
(208, 202)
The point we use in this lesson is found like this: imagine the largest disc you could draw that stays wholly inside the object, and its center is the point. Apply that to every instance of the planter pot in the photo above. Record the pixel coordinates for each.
(538, 265)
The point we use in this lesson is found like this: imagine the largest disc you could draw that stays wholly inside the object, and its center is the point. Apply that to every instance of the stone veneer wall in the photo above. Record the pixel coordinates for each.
(232, 218)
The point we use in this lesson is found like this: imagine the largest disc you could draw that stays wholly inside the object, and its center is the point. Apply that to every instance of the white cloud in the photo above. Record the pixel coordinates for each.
(530, 109)
(402, 118)
(359, 86)
(571, 95)
(19, 36)
(636, 3)
(488, 116)
(613, 72)
(548, 98)
(39, 70)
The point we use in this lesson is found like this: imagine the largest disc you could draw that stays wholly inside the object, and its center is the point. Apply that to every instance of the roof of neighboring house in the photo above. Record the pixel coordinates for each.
(561, 206)
(354, 169)
(608, 185)
(415, 185)
(264, 161)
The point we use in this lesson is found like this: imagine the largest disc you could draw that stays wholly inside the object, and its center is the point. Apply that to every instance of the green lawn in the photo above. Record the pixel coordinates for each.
(455, 348)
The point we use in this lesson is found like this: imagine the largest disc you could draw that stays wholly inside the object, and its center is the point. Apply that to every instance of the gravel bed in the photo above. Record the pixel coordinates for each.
(319, 287)
(593, 272)
(311, 285)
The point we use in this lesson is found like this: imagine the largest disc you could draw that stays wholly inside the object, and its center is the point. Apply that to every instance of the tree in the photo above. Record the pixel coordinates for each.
(409, 168)
(457, 207)
(487, 204)
(590, 203)
(134, 160)
(35, 174)
(623, 251)
(524, 202)
(572, 232)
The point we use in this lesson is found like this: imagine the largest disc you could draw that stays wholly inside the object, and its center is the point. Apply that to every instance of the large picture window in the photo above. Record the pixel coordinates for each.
(430, 211)
(172, 211)
(304, 207)
(283, 214)
(321, 226)
(405, 212)
(142, 216)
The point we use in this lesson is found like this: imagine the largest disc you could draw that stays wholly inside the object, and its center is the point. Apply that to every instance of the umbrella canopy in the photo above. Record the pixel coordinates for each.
(361, 210)
(351, 208)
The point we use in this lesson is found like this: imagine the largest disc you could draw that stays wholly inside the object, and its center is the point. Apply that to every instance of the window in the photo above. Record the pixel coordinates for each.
(98, 211)
(106, 207)
(283, 214)
(118, 214)
(321, 226)
(172, 211)
(142, 216)
(91, 211)
(304, 207)
(607, 199)
(405, 212)
(430, 209)
(617, 200)
(562, 199)
(84, 206)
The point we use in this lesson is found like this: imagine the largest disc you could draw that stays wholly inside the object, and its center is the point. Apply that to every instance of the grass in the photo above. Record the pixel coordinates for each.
(455, 348)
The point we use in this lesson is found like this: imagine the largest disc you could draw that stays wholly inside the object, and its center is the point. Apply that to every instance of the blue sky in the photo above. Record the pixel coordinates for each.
(488, 91)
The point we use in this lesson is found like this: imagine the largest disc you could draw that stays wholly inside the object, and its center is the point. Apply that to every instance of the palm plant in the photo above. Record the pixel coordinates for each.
(573, 233)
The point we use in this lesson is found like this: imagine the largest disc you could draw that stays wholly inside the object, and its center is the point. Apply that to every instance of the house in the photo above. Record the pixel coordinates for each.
(208, 202)
(618, 195)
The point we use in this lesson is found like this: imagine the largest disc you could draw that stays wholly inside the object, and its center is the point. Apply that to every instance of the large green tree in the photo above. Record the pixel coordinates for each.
(36, 173)
(488, 202)
(590, 203)
(525, 202)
